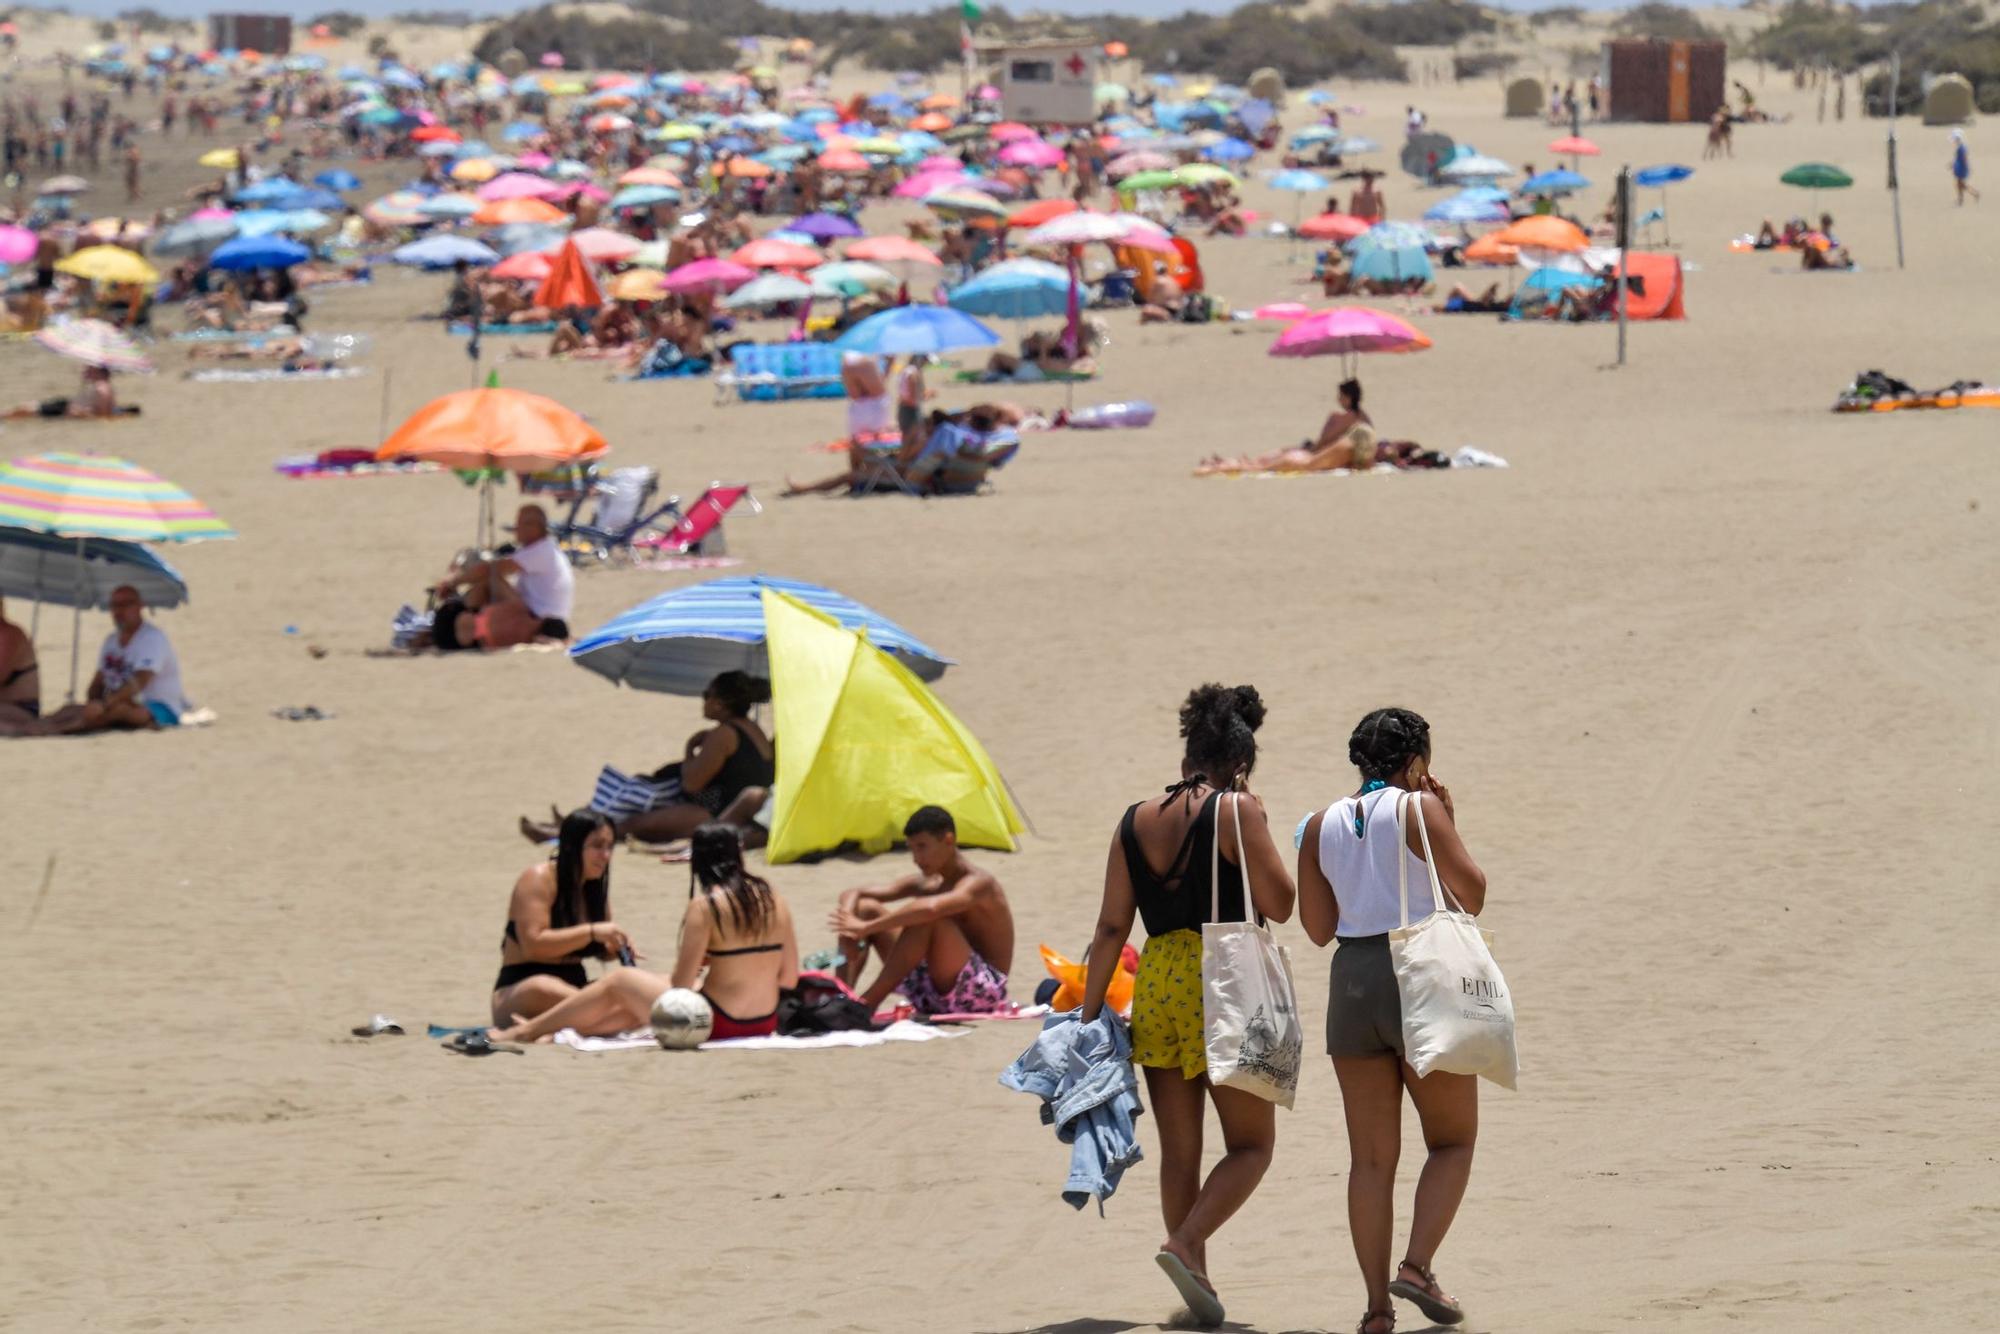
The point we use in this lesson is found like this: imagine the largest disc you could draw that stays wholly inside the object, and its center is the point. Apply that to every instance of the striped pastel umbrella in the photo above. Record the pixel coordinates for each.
(94, 343)
(95, 495)
(679, 641)
(84, 496)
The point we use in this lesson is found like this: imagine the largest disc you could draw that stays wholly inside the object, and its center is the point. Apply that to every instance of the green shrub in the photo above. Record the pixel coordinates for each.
(1420, 22)
(1669, 22)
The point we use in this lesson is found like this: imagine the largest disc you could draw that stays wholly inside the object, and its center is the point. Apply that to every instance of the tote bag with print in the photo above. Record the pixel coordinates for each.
(1250, 1011)
(1458, 1015)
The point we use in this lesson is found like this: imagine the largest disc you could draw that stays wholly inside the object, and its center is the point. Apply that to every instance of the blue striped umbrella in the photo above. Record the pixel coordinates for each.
(679, 641)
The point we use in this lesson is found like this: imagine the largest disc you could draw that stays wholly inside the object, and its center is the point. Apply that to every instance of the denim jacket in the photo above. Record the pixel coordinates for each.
(1083, 1075)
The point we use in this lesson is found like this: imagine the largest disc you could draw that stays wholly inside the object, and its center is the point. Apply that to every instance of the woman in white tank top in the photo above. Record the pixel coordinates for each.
(1352, 858)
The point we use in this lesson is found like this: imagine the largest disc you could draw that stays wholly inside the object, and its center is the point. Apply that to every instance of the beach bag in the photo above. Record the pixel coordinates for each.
(620, 795)
(821, 1003)
(1250, 1010)
(1457, 1013)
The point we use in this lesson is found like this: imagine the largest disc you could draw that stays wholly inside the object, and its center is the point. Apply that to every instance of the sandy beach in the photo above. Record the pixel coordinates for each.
(1712, 672)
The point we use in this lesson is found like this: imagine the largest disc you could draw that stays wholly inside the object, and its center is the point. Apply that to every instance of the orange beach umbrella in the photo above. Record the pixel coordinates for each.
(1542, 232)
(494, 428)
(569, 282)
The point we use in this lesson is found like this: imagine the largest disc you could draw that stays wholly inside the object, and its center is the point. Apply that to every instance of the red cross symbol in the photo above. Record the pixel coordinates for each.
(1076, 66)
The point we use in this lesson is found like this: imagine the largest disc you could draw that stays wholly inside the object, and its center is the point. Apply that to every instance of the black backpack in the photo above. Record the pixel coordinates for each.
(820, 1005)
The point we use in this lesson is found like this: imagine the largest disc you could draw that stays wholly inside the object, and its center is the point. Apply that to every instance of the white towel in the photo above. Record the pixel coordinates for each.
(638, 1038)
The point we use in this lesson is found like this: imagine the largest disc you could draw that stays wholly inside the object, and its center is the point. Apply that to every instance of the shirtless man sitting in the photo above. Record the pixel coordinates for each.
(945, 935)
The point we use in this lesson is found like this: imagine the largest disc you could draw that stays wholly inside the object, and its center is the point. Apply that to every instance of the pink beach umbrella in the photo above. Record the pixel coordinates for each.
(986, 92)
(519, 185)
(1130, 164)
(534, 161)
(1346, 332)
(891, 250)
(604, 246)
(1037, 153)
(17, 245)
(930, 182)
(552, 60)
(1285, 312)
(708, 275)
(211, 215)
(941, 162)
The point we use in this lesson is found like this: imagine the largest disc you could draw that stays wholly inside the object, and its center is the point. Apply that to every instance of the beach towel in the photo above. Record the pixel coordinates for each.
(497, 330)
(639, 1039)
(321, 465)
(219, 376)
(1029, 373)
(621, 795)
(663, 561)
(232, 335)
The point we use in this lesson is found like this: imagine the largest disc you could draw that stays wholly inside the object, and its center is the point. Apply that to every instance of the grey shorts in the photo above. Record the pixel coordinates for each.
(1364, 1011)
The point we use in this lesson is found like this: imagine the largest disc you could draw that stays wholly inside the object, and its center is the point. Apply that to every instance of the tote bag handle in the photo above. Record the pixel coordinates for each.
(1439, 894)
(1215, 862)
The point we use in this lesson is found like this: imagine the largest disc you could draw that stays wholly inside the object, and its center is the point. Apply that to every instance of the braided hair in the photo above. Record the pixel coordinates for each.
(1219, 724)
(715, 861)
(1386, 741)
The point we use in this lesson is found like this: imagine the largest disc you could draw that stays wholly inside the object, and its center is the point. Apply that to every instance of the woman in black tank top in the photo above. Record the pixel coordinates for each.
(726, 775)
(1159, 871)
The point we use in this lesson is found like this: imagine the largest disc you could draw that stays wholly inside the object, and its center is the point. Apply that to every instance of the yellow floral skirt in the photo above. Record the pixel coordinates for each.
(1166, 1005)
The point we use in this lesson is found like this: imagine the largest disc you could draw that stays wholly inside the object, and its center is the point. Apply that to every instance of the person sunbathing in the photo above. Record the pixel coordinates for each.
(1333, 280)
(95, 401)
(1767, 237)
(888, 458)
(945, 935)
(20, 680)
(275, 349)
(1462, 301)
(1044, 351)
(1347, 440)
(1815, 258)
(726, 773)
(737, 943)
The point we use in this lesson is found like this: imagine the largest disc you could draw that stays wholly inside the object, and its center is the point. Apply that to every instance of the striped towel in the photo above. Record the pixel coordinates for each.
(620, 795)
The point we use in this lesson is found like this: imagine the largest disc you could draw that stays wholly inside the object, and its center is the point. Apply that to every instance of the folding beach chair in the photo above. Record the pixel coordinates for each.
(699, 531)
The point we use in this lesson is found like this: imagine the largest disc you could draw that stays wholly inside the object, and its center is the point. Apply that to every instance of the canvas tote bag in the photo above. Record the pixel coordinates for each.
(1457, 1013)
(1250, 1011)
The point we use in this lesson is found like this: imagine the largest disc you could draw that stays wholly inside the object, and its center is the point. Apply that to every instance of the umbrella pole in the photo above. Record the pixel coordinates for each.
(76, 624)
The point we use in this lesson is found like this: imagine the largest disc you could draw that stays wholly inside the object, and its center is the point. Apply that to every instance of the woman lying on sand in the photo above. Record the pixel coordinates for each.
(1347, 440)
(726, 775)
(736, 927)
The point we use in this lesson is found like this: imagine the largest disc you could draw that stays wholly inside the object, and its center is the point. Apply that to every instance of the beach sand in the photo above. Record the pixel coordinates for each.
(1712, 673)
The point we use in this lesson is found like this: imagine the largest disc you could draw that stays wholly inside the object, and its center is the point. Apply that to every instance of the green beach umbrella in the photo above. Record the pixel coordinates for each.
(1817, 176)
(1149, 180)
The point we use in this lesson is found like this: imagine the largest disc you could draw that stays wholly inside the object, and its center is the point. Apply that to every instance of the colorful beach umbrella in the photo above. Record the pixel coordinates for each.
(708, 275)
(681, 640)
(892, 250)
(570, 282)
(1347, 332)
(443, 252)
(17, 244)
(766, 253)
(95, 495)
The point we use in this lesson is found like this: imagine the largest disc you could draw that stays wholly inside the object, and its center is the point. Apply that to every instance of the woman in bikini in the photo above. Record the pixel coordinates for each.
(736, 928)
(560, 915)
(1159, 870)
(20, 680)
(726, 775)
(1347, 440)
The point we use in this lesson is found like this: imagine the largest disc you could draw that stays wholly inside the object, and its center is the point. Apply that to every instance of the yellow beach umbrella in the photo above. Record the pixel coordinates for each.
(477, 169)
(222, 159)
(676, 131)
(866, 743)
(109, 264)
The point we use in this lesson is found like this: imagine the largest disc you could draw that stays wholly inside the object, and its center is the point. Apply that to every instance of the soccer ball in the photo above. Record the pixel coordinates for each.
(682, 1020)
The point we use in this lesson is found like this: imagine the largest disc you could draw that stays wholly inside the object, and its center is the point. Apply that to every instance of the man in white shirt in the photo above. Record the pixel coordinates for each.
(495, 613)
(138, 681)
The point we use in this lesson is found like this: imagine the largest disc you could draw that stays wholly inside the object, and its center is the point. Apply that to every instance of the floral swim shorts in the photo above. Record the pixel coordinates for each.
(1167, 1030)
(980, 989)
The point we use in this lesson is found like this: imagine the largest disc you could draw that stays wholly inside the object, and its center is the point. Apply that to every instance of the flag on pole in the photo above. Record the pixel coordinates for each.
(968, 14)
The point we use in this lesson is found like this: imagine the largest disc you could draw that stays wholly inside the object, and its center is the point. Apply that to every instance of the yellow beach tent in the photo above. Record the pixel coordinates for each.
(862, 743)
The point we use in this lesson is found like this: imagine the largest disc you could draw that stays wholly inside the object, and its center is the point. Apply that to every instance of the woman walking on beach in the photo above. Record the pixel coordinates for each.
(1351, 864)
(1181, 834)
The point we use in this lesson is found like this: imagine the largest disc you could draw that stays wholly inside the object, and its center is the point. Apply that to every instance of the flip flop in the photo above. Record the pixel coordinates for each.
(1435, 1308)
(477, 1044)
(377, 1026)
(1202, 1304)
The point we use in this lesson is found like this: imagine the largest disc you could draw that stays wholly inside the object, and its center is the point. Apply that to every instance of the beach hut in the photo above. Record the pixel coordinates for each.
(867, 744)
(1948, 100)
(1525, 99)
(1658, 80)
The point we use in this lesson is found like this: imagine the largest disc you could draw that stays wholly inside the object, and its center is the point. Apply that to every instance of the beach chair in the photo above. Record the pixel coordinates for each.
(958, 461)
(773, 372)
(699, 532)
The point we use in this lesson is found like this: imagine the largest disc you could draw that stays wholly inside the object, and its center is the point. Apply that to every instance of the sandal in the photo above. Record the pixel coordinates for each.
(1370, 1317)
(1429, 1299)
